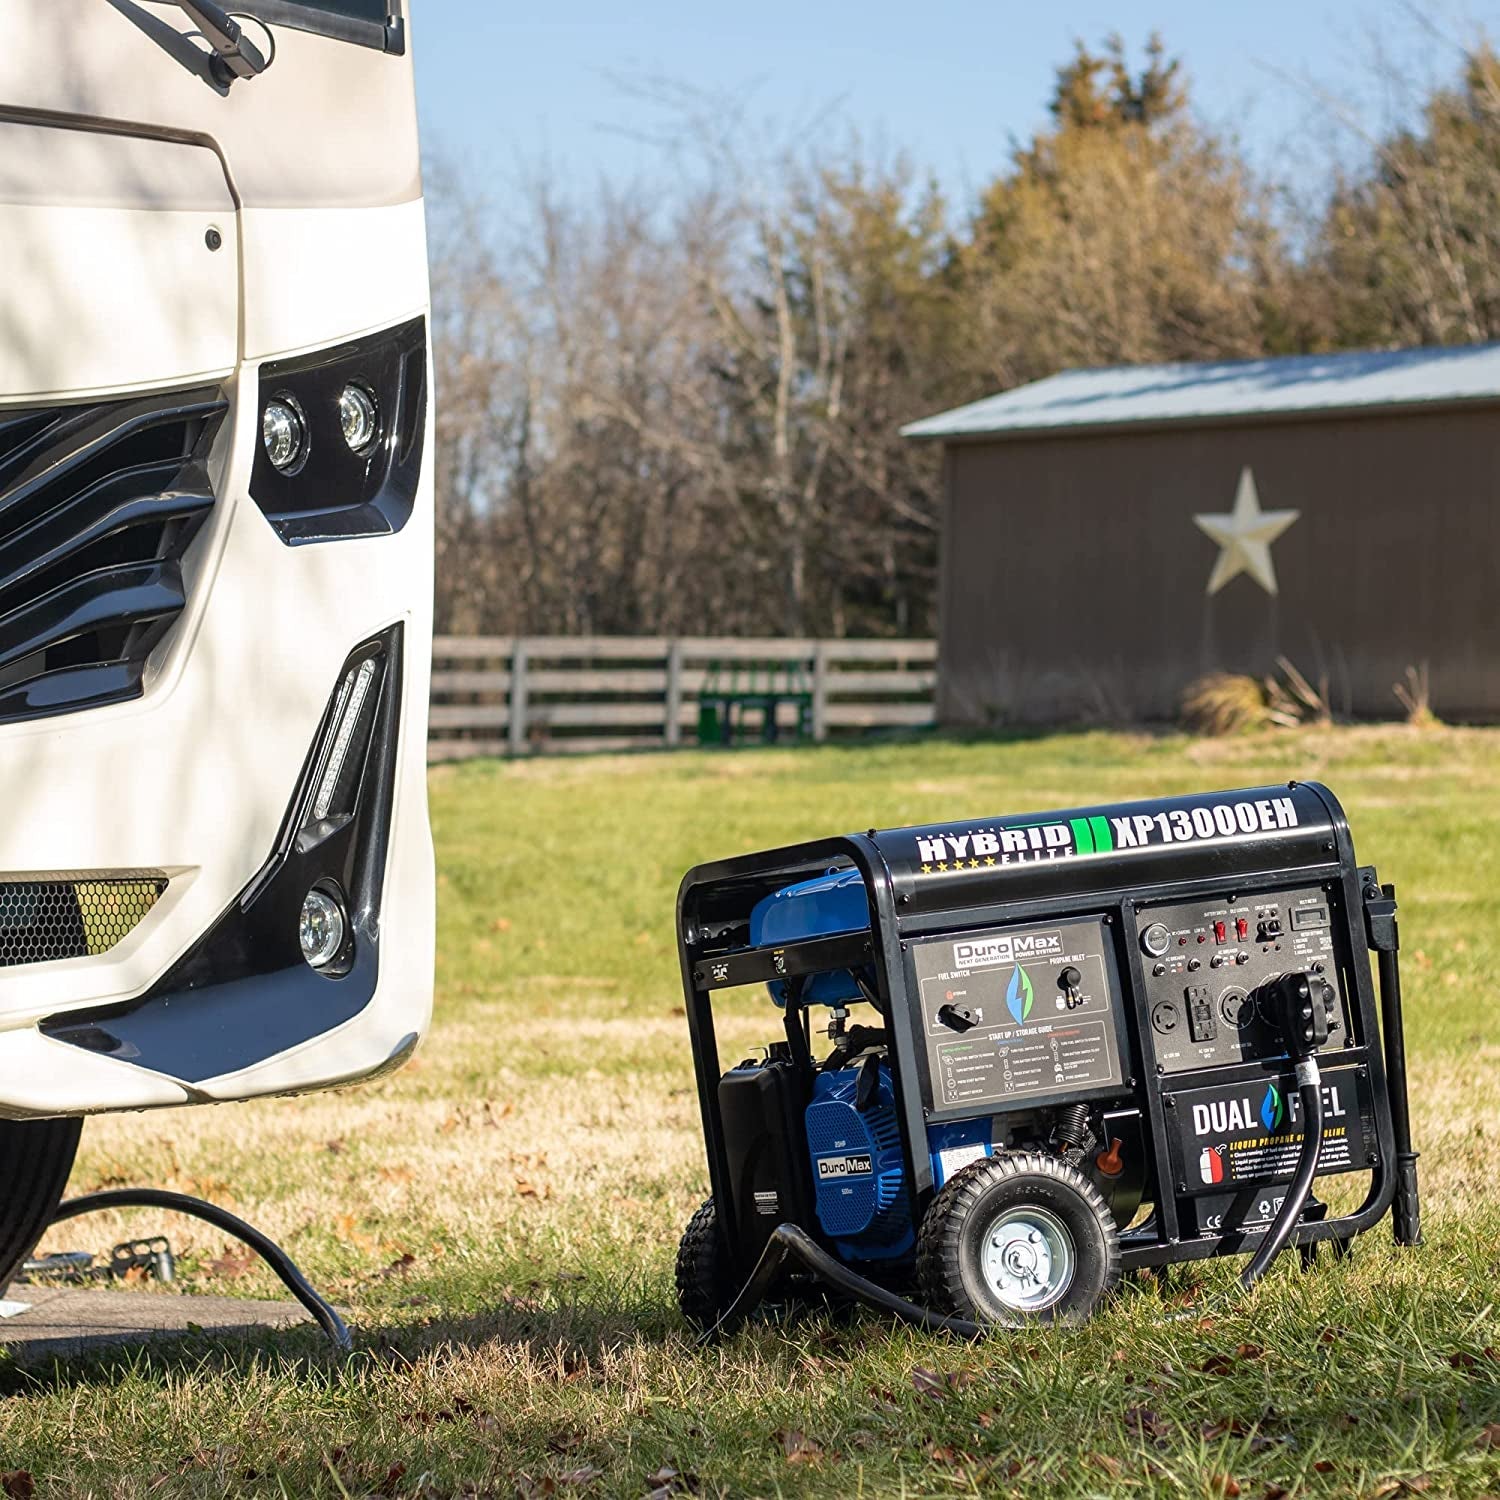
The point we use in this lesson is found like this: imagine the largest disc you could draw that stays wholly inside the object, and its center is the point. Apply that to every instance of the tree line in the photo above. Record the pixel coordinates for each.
(676, 409)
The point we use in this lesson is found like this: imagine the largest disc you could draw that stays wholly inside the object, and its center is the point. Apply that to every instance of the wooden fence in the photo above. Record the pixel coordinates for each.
(498, 695)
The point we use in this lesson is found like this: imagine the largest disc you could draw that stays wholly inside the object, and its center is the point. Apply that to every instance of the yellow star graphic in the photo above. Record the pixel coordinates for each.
(973, 864)
(942, 864)
(1244, 537)
(927, 869)
(989, 859)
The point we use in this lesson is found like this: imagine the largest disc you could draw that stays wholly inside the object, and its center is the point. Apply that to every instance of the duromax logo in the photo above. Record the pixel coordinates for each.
(1019, 994)
(1005, 948)
(1272, 1110)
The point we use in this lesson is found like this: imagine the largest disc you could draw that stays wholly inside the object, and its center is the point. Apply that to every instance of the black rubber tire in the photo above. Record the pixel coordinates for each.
(959, 1219)
(705, 1282)
(36, 1157)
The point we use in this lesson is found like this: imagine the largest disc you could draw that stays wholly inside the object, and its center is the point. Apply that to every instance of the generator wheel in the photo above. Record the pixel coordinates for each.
(705, 1284)
(1015, 1237)
(35, 1159)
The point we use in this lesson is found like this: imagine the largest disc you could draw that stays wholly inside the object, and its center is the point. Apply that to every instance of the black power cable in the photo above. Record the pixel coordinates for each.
(1302, 1005)
(1310, 1093)
(268, 1250)
(788, 1242)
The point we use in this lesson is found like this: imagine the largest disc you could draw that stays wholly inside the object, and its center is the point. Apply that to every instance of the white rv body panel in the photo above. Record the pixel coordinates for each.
(107, 285)
(117, 159)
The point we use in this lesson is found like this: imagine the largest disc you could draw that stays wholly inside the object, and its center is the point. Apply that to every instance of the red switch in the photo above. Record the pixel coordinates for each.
(1221, 933)
(1241, 928)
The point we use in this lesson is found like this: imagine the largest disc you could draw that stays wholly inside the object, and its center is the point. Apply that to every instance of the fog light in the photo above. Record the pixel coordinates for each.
(284, 433)
(322, 927)
(359, 417)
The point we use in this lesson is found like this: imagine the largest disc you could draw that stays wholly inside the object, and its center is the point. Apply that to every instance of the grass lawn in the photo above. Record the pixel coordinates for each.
(501, 1216)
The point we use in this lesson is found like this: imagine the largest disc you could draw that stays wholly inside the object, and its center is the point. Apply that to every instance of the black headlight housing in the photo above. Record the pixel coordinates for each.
(334, 492)
(245, 991)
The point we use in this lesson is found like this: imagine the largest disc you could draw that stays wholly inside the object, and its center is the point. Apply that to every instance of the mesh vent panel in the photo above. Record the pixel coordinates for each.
(42, 920)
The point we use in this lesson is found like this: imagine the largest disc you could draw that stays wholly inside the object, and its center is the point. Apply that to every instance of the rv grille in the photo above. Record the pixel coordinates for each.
(41, 920)
(97, 506)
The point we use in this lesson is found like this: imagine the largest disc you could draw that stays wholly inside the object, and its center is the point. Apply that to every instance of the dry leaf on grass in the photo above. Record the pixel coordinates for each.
(798, 1447)
(1145, 1421)
(667, 1481)
(232, 1264)
(936, 1386)
(347, 1226)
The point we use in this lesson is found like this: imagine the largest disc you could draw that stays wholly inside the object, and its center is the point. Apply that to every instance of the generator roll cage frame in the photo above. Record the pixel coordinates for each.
(713, 907)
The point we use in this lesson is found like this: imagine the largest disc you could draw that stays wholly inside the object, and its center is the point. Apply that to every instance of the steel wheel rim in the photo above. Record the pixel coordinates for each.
(1028, 1258)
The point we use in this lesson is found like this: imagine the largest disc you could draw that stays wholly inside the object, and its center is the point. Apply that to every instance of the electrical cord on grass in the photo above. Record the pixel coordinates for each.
(269, 1251)
(788, 1242)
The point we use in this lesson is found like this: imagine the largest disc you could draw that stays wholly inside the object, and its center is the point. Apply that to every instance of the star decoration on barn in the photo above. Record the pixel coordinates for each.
(1244, 537)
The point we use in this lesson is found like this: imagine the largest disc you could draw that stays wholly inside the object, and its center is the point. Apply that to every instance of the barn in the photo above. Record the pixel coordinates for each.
(1111, 535)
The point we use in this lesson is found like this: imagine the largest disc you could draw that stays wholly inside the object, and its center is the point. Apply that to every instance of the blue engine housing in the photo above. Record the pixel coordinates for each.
(830, 903)
(858, 1176)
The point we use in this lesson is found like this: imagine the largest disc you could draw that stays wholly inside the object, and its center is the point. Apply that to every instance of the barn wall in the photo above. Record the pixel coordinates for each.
(1074, 580)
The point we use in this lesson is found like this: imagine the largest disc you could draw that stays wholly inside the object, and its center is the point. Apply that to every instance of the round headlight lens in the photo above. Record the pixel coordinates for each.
(359, 417)
(284, 433)
(322, 928)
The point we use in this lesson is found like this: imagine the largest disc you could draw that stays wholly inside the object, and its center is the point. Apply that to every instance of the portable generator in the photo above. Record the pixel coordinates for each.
(1088, 1041)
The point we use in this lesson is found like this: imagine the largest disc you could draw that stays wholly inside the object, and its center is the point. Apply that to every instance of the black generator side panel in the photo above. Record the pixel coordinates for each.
(763, 1108)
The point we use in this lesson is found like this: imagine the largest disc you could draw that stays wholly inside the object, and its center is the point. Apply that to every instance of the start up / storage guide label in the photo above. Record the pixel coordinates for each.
(1017, 1013)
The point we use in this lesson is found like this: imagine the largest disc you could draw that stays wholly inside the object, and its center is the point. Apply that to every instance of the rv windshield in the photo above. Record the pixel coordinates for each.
(355, 10)
(374, 23)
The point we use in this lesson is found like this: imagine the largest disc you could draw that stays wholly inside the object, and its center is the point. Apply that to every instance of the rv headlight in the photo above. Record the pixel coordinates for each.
(322, 927)
(283, 430)
(359, 417)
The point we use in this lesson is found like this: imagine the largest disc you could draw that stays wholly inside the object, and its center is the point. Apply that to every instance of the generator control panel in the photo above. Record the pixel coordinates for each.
(1207, 965)
(1012, 1015)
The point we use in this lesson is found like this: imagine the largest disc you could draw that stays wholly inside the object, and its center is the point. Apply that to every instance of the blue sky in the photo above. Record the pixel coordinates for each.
(506, 86)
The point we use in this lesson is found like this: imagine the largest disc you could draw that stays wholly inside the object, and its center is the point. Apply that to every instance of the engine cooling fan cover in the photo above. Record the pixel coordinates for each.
(857, 1168)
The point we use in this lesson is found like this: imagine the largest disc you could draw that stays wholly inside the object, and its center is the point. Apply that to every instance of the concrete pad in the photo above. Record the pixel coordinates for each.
(67, 1320)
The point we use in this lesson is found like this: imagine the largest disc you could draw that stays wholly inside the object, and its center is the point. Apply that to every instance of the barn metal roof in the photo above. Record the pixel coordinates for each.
(1163, 394)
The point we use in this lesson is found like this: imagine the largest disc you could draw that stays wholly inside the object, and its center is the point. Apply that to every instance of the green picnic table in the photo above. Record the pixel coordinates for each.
(732, 691)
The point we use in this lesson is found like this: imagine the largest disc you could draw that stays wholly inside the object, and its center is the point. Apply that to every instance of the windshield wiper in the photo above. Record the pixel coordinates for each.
(234, 54)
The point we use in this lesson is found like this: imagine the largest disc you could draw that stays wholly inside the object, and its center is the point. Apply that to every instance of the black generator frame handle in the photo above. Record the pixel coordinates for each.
(727, 889)
(714, 902)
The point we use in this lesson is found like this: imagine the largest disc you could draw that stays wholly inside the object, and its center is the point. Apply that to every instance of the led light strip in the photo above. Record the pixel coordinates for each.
(356, 689)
